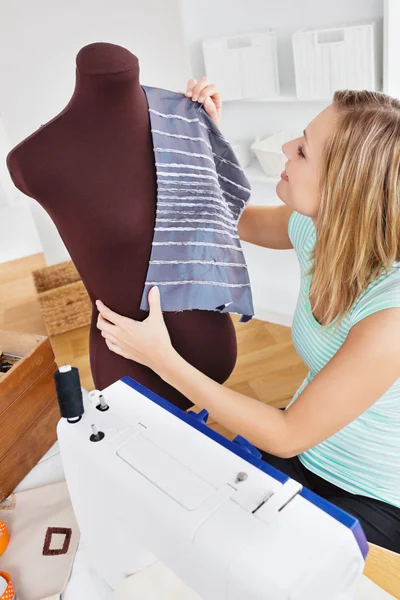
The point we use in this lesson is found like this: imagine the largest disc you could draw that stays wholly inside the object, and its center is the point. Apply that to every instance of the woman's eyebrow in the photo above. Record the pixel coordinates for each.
(305, 137)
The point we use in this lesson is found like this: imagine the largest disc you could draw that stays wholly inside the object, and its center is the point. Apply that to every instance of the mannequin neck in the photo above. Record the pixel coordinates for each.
(107, 76)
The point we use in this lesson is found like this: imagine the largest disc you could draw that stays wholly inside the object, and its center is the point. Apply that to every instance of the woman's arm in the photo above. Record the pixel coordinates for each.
(361, 371)
(266, 226)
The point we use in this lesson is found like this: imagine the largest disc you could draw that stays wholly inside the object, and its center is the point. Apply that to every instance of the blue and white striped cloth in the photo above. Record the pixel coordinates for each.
(196, 257)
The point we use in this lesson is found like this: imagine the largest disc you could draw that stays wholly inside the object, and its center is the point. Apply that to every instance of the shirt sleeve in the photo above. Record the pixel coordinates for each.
(382, 295)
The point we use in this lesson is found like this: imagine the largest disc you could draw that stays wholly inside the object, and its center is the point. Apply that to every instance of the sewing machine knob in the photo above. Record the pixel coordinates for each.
(242, 476)
(97, 399)
(97, 435)
(102, 406)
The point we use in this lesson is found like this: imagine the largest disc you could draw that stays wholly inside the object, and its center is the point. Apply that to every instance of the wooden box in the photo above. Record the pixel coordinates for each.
(63, 298)
(29, 410)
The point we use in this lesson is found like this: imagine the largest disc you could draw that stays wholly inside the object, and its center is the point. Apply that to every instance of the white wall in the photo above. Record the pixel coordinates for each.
(391, 80)
(41, 39)
(39, 42)
(18, 234)
(7, 196)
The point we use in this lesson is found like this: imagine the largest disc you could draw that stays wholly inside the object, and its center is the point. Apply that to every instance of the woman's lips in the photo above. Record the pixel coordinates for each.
(284, 176)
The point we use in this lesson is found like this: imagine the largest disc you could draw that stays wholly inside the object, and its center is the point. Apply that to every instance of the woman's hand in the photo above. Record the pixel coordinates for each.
(146, 342)
(208, 95)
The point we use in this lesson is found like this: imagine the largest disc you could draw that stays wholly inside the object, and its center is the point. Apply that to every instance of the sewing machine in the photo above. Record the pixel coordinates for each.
(156, 491)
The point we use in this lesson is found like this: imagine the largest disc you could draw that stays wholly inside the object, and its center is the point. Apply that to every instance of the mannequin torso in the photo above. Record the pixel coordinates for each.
(92, 169)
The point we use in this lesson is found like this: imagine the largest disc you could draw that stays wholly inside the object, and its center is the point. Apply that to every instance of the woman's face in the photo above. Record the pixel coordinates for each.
(299, 184)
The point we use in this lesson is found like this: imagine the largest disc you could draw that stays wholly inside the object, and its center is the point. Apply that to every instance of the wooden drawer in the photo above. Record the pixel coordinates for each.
(28, 407)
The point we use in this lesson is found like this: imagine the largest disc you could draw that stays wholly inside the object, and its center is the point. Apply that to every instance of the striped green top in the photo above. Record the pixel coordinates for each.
(363, 457)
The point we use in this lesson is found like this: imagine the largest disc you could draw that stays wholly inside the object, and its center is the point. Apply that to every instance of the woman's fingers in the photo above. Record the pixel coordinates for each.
(108, 314)
(211, 91)
(110, 338)
(201, 90)
(211, 110)
(198, 88)
(105, 326)
(189, 88)
(113, 347)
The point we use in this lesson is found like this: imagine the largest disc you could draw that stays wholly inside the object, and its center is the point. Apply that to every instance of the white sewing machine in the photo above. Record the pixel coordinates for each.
(154, 489)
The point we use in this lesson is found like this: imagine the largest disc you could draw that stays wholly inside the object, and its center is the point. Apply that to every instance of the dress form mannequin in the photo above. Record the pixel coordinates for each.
(92, 168)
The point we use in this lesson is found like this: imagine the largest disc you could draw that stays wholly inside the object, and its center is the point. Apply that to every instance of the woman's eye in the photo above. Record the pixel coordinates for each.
(300, 151)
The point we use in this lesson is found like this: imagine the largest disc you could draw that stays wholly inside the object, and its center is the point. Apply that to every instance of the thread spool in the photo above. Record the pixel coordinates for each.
(69, 393)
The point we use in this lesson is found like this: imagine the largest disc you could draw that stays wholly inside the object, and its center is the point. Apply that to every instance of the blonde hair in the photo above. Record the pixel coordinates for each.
(358, 224)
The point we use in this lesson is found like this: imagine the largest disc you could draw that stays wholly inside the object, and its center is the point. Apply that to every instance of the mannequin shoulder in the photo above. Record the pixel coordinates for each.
(28, 157)
(17, 164)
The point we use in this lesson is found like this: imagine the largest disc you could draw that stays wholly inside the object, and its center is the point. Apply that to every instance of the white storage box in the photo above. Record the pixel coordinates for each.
(243, 66)
(327, 60)
(269, 152)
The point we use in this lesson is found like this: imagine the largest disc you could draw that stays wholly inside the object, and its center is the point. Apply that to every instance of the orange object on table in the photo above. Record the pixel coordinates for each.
(4, 537)
(8, 593)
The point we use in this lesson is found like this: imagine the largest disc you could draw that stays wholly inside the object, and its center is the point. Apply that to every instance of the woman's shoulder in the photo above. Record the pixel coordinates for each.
(300, 230)
(380, 294)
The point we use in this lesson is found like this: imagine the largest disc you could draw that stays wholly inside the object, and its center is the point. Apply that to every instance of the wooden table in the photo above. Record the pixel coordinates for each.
(383, 568)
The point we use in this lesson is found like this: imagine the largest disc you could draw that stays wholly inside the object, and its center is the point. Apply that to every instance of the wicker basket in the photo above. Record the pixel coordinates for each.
(63, 299)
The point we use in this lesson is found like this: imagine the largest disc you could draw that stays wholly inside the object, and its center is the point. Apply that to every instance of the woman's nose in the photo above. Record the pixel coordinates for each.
(289, 148)
(285, 149)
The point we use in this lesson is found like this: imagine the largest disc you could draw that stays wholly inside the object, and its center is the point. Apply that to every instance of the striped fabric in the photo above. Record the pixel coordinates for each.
(196, 257)
(364, 457)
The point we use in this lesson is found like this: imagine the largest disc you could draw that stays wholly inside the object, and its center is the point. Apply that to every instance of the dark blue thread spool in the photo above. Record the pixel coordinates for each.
(69, 393)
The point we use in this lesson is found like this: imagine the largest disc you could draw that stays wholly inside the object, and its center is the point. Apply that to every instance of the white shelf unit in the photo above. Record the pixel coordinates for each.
(274, 274)
(287, 94)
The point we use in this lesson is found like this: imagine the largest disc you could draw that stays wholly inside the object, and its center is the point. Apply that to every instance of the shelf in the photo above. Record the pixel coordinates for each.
(255, 174)
(287, 94)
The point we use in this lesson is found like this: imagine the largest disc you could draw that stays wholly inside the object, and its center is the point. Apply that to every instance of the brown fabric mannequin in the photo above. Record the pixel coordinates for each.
(92, 169)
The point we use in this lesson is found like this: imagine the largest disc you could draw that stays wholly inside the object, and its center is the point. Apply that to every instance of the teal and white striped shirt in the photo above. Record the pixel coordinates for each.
(363, 457)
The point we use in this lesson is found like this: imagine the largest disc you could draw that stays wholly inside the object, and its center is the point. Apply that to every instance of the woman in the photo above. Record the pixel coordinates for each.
(340, 435)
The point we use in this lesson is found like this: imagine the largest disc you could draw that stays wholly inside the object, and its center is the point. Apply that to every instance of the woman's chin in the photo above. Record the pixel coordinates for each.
(281, 192)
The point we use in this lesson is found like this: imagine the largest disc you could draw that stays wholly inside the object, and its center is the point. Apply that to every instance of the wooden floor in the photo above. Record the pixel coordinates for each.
(268, 367)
